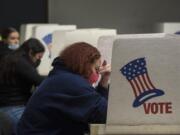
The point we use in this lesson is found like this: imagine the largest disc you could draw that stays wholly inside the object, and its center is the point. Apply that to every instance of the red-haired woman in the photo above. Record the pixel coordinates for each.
(65, 103)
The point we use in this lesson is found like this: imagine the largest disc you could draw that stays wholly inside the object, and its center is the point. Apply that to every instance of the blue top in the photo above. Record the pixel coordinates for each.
(64, 104)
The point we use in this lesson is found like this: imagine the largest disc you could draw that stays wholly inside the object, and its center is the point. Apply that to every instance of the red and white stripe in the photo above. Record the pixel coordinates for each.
(141, 84)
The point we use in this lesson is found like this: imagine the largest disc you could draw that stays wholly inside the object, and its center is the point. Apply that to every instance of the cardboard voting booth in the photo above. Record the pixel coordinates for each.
(145, 71)
(169, 27)
(144, 91)
(62, 39)
(26, 30)
(44, 34)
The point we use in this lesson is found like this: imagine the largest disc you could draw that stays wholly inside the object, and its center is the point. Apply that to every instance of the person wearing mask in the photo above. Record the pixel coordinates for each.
(10, 41)
(66, 102)
(18, 74)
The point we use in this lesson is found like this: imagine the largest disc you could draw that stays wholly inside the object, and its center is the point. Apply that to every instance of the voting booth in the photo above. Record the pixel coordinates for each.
(170, 27)
(62, 39)
(44, 34)
(144, 90)
(26, 30)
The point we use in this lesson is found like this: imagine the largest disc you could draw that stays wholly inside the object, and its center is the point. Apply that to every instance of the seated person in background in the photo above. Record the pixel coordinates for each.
(65, 103)
(17, 76)
(10, 41)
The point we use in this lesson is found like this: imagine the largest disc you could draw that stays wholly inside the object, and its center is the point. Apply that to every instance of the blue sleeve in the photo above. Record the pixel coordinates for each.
(102, 91)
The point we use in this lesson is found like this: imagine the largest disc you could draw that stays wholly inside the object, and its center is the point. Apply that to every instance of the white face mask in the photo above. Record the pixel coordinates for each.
(13, 47)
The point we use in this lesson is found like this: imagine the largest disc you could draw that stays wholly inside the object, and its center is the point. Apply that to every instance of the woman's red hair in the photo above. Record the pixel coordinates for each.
(79, 57)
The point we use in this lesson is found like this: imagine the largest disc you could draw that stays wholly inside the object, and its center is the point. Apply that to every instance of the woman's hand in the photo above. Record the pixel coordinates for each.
(105, 71)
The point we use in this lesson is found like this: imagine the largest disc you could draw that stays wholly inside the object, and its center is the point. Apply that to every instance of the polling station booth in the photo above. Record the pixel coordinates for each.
(62, 39)
(44, 34)
(26, 30)
(169, 27)
(144, 91)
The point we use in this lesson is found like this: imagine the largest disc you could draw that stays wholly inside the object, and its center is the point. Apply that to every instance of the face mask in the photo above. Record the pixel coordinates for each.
(37, 63)
(13, 47)
(93, 78)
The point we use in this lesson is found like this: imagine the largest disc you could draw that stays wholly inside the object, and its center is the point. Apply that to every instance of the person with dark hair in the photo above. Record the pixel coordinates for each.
(18, 74)
(65, 103)
(10, 41)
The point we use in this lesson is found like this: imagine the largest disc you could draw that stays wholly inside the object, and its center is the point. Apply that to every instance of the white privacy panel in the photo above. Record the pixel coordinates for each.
(144, 87)
(44, 34)
(61, 39)
(26, 30)
(170, 27)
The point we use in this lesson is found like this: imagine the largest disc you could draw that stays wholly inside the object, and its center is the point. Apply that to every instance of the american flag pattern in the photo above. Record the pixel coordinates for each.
(137, 75)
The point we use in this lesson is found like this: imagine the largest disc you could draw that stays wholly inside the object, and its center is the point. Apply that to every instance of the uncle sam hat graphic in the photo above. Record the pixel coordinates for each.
(137, 75)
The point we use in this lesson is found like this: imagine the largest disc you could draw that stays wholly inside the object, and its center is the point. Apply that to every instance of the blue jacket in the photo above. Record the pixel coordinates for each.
(64, 104)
